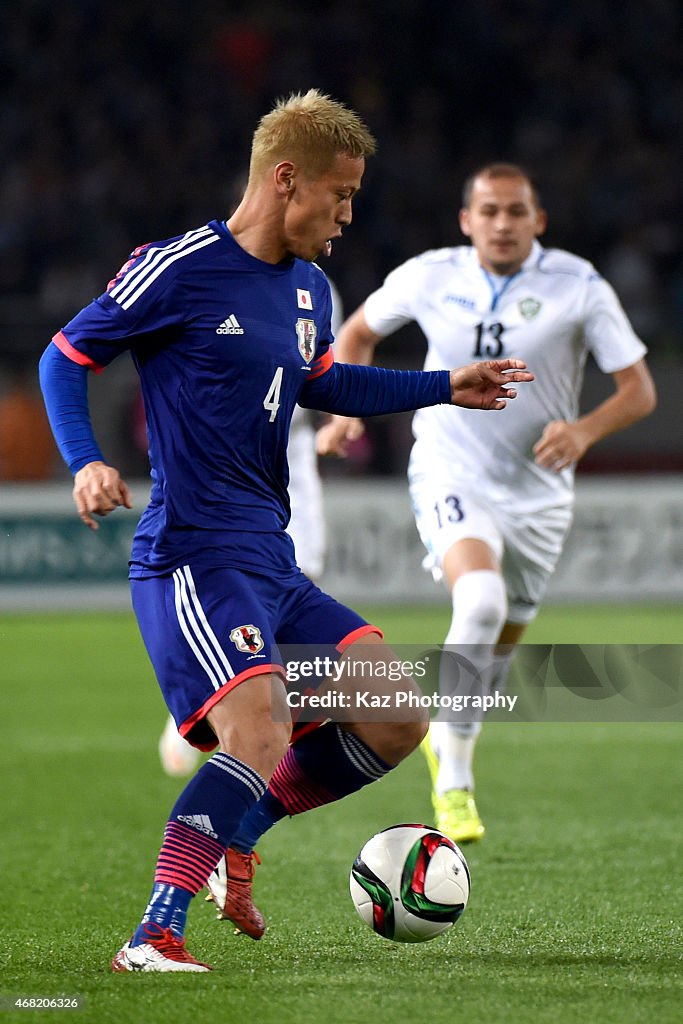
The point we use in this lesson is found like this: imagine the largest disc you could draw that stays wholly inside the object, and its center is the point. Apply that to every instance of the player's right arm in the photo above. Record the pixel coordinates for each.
(137, 303)
(389, 307)
(98, 488)
(355, 343)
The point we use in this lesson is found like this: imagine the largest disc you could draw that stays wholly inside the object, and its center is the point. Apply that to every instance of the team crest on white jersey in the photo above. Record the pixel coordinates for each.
(529, 308)
(247, 639)
(306, 333)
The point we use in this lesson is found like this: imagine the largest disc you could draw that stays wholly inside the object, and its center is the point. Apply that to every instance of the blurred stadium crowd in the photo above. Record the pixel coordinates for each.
(127, 122)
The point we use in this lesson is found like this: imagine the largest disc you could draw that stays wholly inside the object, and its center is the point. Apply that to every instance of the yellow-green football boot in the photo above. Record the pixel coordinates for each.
(455, 811)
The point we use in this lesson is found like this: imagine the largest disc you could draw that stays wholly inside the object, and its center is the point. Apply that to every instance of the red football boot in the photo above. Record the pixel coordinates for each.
(230, 889)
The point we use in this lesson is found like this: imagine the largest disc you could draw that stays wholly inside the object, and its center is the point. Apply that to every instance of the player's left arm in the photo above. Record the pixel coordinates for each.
(350, 390)
(634, 397)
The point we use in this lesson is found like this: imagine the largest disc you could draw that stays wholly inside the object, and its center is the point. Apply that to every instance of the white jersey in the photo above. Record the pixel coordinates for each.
(551, 313)
(307, 524)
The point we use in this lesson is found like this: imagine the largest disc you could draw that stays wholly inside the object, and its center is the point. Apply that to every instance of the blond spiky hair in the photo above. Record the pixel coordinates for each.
(309, 129)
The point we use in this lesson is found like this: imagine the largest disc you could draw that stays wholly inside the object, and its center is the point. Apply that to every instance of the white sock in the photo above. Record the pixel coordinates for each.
(501, 670)
(454, 746)
(479, 613)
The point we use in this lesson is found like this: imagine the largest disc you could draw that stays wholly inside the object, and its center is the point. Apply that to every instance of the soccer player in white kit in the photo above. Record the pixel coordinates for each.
(306, 528)
(493, 498)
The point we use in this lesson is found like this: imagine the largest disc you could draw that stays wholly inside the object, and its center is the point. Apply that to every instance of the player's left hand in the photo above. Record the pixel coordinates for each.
(487, 385)
(561, 444)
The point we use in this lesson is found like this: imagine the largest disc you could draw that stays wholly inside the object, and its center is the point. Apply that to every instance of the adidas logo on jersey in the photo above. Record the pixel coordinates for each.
(230, 326)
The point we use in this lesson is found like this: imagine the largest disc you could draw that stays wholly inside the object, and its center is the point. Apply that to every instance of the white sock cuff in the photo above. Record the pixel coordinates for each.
(479, 608)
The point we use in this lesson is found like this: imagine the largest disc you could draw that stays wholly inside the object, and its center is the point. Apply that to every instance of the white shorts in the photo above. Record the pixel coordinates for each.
(307, 525)
(527, 546)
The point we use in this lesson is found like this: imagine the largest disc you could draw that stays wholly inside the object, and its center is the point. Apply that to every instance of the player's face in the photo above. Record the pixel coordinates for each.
(320, 208)
(502, 221)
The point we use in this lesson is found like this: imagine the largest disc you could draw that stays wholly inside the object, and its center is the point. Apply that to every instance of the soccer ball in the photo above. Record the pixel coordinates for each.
(410, 883)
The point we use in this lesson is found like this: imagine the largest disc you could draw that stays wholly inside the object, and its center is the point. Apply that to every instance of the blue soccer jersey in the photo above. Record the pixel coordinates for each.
(224, 344)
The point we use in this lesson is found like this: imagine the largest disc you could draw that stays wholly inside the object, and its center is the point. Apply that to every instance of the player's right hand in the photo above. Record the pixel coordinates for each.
(334, 437)
(98, 490)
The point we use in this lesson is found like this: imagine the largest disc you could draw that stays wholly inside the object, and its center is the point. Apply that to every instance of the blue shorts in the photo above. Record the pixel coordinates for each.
(208, 629)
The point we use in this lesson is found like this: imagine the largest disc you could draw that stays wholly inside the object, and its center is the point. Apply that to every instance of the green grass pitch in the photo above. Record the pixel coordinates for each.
(575, 907)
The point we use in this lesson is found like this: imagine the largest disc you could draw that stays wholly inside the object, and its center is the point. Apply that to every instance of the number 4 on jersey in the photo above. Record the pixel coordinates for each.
(271, 403)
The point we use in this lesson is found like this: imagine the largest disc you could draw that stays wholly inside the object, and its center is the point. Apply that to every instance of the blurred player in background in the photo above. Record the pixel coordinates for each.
(229, 328)
(493, 500)
(306, 528)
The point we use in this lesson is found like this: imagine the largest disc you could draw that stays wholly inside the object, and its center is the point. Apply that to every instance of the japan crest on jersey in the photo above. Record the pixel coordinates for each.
(247, 639)
(306, 333)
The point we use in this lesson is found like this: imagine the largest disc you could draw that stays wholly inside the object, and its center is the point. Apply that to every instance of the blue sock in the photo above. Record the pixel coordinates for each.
(324, 765)
(257, 821)
(167, 908)
(201, 825)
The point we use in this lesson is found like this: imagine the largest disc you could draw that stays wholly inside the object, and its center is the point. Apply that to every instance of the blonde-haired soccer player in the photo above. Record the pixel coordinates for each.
(229, 326)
